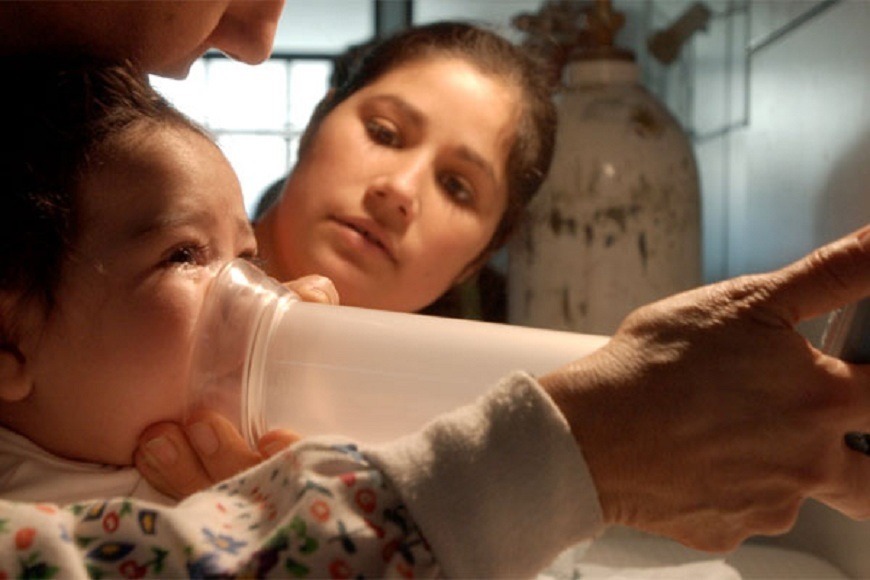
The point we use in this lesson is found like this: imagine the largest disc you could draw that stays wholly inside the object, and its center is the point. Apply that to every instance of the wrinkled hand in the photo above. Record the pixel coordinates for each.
(708, 418)
(179, 460)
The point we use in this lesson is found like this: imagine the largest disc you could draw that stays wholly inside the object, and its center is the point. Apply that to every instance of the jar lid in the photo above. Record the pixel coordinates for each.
(601, 71)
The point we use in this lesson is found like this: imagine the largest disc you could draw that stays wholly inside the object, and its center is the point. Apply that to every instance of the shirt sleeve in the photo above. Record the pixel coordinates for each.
(500, 487)
(320, 509)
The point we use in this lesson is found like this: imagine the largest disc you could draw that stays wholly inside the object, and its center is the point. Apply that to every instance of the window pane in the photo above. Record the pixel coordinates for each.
(248, 97)
(497, 13)
(258, 160)
(309, 81)
(257, 113)
(190, 95)
(324, 25)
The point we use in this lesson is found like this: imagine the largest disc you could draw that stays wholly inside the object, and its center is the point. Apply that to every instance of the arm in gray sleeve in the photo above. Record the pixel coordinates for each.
(498, 488)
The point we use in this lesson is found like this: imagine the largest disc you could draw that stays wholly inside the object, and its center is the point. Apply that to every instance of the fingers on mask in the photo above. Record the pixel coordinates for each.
(220, 448)
(168, 462)
(314, 288)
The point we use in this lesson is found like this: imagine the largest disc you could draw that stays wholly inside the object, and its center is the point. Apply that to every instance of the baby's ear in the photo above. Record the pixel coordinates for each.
(15, 381)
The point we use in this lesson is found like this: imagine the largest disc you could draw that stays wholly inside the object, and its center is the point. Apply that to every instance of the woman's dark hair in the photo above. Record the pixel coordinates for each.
(59, 113)
(532, 149)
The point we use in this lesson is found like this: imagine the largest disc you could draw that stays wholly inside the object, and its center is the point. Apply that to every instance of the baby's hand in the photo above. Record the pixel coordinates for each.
(180, 460)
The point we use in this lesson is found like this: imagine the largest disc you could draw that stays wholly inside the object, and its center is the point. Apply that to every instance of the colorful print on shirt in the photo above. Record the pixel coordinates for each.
(318, 510)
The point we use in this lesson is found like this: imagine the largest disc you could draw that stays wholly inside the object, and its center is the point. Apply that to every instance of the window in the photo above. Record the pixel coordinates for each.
(256, 113)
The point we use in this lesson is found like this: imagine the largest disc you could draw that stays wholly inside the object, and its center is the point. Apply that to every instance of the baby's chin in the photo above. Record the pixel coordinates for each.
(116, 455)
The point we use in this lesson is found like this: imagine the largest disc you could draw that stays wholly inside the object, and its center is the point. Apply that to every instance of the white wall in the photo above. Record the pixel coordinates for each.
(797, 175)
(324, 25)
(808, 142)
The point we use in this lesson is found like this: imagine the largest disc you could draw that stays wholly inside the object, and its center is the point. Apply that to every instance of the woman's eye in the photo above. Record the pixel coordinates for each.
(383, 133)
(458, 189)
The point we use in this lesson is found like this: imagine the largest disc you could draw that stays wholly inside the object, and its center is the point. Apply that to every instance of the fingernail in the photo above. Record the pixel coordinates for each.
(203, 437)
(163, 450)
(864, 238)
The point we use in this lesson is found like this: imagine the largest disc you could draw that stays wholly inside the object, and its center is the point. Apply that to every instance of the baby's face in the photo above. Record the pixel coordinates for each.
(113, 356)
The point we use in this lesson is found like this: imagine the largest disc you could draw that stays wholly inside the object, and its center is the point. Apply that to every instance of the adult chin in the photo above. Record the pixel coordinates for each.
(178, 68)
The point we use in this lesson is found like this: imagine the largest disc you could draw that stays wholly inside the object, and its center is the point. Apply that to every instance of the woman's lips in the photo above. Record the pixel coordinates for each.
(370, 234)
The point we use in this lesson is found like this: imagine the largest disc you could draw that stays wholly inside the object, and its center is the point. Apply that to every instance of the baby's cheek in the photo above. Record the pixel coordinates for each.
(162, 348)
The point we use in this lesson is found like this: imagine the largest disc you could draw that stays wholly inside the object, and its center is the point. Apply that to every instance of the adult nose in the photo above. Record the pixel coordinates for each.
(246, 31)
(394, 196)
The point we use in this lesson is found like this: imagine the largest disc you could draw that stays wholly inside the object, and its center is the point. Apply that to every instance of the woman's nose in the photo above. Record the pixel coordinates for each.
(247, 29)
(395, 197)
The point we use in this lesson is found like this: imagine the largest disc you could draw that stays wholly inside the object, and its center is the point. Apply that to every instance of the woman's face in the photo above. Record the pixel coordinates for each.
(113, 356)
(401, 188)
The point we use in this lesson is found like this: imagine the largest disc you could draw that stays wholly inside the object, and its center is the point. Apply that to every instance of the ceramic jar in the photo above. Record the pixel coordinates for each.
(617, 222)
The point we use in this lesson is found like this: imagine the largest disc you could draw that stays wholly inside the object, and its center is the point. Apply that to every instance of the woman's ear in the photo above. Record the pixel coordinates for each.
(15, 382)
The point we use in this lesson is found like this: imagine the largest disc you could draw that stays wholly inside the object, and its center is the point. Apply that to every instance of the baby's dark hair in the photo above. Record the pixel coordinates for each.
(532, 150)
(60, 112)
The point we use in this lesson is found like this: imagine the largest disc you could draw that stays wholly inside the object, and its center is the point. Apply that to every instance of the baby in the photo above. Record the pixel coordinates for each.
(116, 211)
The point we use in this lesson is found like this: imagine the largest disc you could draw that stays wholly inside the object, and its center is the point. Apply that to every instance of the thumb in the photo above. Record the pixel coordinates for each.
(830, 277)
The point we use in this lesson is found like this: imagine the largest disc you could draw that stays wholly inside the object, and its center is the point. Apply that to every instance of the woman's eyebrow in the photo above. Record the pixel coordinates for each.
(412, 113)
(479, 160)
